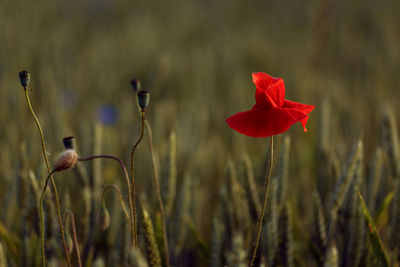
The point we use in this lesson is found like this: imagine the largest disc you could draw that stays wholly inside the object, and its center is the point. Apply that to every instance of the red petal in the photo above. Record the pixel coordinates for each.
(270, 91)
(298, 106)
(263, 123)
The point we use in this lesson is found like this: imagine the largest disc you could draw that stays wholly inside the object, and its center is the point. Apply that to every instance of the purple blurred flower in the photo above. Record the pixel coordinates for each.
(107, 115)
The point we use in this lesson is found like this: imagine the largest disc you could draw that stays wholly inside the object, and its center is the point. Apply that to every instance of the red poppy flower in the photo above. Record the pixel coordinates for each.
(272, 114)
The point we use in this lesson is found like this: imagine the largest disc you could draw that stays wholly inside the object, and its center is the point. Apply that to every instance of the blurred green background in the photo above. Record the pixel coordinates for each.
(196, 59)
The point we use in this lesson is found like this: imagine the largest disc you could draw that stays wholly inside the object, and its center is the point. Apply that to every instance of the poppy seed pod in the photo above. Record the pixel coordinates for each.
(104, 218)
(69, 142)
(66, 160)
(25, 78)
(143, 99)
(135, 85)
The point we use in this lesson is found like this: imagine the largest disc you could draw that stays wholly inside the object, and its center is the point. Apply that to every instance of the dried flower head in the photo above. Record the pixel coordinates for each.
(143, 99)
(25, 78)
(66, 160)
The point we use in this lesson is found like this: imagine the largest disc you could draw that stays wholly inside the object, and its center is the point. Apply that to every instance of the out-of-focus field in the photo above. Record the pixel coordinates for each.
(196, 59)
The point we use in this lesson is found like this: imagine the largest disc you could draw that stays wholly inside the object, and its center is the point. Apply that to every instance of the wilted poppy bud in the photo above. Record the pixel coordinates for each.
(135, 85)
(143, 99)
(25, 78)
(66, 160)
(69, 142)
(70, 243)
(104, 218)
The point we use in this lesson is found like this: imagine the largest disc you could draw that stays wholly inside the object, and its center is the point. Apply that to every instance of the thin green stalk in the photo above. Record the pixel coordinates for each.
(53, 183)
(78, 254)
(132, 205)
(157, 185)
(259, 224)
(133, 175)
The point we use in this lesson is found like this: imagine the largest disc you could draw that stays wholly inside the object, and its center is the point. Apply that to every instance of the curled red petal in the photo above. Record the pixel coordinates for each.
(298, 106)
(264, 122)
(270, 90)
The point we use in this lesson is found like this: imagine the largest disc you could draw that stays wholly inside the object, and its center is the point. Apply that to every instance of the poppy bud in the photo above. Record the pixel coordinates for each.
(66, 160)
(69, 142)
(104, 218)
(143, 99)
(70, 243)
(135, 85)
(25, 78)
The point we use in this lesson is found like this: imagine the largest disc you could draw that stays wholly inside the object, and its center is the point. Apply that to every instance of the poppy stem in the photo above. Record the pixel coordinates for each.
(260, 219)
(57, 200)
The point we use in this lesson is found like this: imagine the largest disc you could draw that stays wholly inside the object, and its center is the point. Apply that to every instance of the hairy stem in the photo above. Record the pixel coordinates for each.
(54, 186)
(157, 185)
(76, 244)
(260, 219)
(133, 173)
(132, 205)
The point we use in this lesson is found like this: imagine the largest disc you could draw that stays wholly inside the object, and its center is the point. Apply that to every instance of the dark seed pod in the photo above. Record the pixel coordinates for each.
(135, 85)
(25, 78)
(69, 142)
(143, 99)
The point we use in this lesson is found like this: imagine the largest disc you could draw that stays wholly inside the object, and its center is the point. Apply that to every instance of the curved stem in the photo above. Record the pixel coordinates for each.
(132, 206)
(53, 183)
(78, 254)
(157, 185)
(260, 219)
(121, 200)
(133, 174)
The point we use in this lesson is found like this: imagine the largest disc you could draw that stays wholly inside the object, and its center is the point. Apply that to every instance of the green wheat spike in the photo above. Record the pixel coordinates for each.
(375, 240)
(320, 238)
(271, 224)
(390, 136)
(374, 177)
(286, 237)
(342, 187)
(332, 257)
(217, 232)
(238, 255)
(172, 174)
(251, 189)
(159, 235)
(283, 169)
(152, 252)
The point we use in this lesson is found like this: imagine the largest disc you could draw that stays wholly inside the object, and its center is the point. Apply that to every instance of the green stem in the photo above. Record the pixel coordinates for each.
(54, 186)
(260, 219)
(133, 174)
(78, 254)
(157, 185)
(132, 206)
